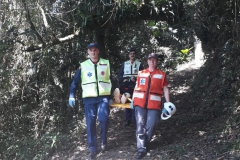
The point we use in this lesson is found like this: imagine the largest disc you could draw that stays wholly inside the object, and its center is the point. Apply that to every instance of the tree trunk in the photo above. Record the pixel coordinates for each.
(100, 38)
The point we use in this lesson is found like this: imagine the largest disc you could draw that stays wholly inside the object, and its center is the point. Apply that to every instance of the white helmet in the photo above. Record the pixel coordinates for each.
(170, 110)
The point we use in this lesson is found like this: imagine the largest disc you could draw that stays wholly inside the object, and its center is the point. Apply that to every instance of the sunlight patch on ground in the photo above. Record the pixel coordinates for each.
(81, 148)
(199, 57)
(190, 65)
(181, 89)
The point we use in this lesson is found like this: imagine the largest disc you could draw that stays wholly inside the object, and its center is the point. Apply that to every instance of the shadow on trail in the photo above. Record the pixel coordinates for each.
(186, 135)
(168, 134)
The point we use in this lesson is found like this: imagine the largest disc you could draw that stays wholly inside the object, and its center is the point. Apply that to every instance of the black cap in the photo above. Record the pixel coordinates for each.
(92, 45)
(132, 50)
(153, 55)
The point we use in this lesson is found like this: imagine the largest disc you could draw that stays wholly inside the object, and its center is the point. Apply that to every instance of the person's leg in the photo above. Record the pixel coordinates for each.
(141, 118)
(128, 116)
(152, 120)
(103, 113)
(131, 87)
(91, 114)
(133, 117)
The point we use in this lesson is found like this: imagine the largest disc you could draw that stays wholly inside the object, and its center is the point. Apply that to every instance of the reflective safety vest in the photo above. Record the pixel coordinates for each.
(95, 78)
(131, 69)
(149, 89)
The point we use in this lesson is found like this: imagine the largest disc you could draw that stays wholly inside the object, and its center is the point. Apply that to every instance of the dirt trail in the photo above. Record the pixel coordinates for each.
(180, 137)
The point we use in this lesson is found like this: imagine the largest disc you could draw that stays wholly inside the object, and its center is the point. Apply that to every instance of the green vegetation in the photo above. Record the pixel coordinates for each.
(42, 44)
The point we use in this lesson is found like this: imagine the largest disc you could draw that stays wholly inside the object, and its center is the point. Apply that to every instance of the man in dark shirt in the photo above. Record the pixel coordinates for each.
(127, 81)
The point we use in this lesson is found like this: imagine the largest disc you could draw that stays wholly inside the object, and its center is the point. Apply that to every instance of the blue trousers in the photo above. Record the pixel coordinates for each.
(92, 111)
(146, 121)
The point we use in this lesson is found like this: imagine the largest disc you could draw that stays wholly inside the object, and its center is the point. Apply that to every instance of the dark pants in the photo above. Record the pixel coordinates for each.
(130, 115)
(92, 111)
(128, 87)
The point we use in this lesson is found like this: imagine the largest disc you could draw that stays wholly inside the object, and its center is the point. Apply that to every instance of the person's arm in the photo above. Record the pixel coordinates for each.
(111, 79)
(166, 93)
(75, 83)
(166, 90)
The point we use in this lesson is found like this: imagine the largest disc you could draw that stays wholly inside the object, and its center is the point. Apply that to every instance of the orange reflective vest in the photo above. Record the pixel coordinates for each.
(149, 89)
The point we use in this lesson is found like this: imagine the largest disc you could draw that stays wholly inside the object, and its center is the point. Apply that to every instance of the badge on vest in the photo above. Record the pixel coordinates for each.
(127, 71)
(89, 74)
(103, 69)
(135, 70)
(102, 73)
(142, 81)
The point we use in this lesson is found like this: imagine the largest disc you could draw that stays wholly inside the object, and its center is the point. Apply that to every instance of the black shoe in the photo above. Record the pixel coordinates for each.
(92, 155)
(128, 123)
(147, 146)
(140, 155)
(103, 147)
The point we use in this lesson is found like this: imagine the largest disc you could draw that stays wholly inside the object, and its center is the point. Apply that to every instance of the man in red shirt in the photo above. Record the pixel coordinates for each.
(147, 99)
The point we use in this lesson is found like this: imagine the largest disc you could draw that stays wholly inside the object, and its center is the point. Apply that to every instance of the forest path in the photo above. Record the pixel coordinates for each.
(181, 137)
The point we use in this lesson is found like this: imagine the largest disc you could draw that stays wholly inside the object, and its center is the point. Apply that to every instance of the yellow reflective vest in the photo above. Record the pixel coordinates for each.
(95, 78)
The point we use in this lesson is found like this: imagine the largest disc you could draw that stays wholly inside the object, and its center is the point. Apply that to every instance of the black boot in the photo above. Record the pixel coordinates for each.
(92, 155)
(140, 155)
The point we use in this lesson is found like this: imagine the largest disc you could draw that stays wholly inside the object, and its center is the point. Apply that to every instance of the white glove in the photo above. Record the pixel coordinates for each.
(131, 105)
(71, 102)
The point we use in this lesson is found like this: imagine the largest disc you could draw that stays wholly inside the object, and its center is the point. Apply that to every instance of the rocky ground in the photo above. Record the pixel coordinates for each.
(186, 135)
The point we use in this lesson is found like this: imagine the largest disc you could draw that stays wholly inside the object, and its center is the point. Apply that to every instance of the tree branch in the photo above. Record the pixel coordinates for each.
(110, 15)
(31, 23)
(145, 12)
(44, 17)
(55, 42)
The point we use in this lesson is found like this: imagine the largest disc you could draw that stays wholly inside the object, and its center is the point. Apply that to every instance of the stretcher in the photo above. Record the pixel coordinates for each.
(120, 105)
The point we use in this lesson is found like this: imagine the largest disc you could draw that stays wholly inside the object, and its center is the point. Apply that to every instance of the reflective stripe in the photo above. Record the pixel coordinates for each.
(155, 98)
(89, 90)
(127, 75)
(105, 85)
(143, 74)
(89, 87)
(138, 95)
(159, 76)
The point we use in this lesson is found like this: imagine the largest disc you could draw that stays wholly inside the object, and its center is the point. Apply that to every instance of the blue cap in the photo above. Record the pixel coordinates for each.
(153, 55)
(92, 45)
